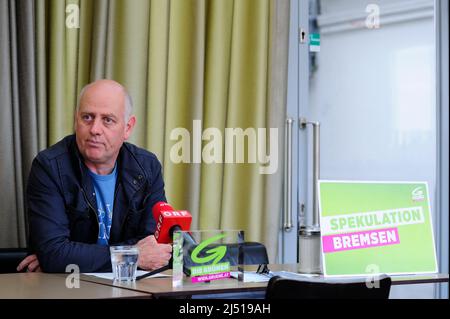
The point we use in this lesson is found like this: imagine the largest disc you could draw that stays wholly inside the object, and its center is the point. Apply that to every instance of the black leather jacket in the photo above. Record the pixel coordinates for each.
(62, 206)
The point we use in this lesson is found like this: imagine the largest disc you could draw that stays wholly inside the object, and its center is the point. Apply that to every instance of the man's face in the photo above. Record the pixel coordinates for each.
(100, 123)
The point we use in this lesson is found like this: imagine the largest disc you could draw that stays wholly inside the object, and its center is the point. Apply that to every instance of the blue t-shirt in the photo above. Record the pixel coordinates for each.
(104, 186)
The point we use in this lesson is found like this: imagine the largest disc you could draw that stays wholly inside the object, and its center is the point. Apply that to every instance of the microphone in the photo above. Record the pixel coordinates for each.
(168, 221)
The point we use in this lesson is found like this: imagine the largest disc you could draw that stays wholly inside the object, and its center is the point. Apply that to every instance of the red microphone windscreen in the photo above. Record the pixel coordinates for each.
(159, 207)
(166, 218)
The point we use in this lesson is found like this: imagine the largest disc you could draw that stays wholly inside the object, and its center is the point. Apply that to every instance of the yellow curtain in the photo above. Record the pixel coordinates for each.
(209, 61)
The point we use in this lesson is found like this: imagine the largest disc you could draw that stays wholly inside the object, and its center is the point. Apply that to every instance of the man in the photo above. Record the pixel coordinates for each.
(92, 190)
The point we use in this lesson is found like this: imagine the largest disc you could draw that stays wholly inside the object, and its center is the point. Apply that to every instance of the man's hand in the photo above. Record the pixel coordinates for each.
(153, 255)
(31, 263)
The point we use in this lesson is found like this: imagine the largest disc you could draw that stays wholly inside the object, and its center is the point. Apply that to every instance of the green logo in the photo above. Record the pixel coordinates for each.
(216, 253)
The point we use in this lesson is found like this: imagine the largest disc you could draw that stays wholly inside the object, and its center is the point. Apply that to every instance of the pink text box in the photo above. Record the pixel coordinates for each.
(360, 240)
(210, 277)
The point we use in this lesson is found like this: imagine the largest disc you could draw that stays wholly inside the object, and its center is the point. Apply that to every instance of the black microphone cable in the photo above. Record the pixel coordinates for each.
(156, 271)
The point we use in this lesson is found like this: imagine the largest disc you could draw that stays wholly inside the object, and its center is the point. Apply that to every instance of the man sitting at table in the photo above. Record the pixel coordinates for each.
(92, 190)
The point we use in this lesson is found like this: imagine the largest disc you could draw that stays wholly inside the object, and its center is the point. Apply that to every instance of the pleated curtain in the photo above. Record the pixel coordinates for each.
(221, 63)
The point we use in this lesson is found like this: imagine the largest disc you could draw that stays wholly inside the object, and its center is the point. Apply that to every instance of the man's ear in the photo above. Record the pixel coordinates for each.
(129, 126)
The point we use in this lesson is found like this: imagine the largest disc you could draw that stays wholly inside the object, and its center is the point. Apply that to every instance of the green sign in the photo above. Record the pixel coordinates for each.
(214, 254)
(314, 42)
(214, 270)
(207, 255)
(376, 227)
(209, 267)
(314, 39)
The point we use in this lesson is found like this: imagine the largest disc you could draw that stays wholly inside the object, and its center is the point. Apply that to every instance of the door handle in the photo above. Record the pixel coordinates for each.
(287, 218)
(316, 166)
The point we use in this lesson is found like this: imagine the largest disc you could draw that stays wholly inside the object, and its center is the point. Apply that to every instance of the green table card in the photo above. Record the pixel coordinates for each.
(207, 257)
(376, 227)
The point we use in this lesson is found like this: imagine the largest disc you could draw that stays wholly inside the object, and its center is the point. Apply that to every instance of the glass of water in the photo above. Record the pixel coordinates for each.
(124, 262)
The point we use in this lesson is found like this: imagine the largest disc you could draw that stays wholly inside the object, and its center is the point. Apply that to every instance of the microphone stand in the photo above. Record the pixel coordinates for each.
(154, 272)
(159, 270)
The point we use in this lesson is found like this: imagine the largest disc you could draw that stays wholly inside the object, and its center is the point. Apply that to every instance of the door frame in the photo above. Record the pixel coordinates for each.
(289, 239)
(442, 123)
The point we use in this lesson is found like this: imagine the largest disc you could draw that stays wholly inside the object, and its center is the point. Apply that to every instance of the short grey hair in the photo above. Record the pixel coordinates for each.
(128, 100)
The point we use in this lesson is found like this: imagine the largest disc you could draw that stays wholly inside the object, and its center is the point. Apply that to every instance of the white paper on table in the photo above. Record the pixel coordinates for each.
(250, 276)
(110, 275)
